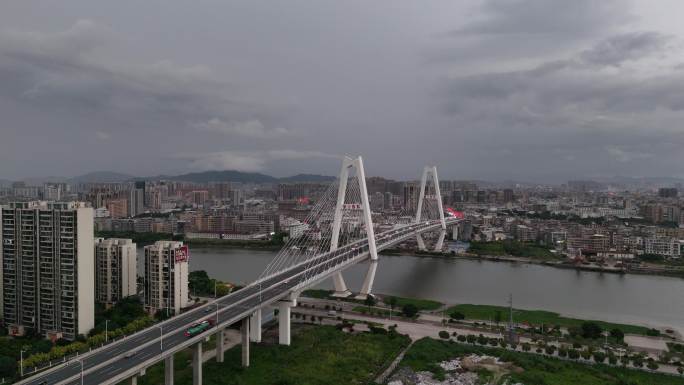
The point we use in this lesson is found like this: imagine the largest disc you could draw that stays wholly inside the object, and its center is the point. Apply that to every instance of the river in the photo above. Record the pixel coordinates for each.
(635, 299)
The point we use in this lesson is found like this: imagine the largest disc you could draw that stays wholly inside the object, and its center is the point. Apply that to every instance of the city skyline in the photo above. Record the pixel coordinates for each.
(521, 90)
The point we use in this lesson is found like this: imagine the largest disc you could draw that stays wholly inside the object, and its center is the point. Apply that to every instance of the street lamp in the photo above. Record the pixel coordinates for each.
(217, 309)
(81, 362)
(161, 338)
(21, 362)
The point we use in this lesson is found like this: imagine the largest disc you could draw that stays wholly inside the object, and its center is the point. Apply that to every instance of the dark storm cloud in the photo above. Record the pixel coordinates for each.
(578, 112)
(562, 19)
(629, 46)
(58, 72)
(487, 89)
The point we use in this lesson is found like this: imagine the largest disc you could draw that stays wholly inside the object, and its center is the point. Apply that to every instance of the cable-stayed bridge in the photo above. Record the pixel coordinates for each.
(339, 232)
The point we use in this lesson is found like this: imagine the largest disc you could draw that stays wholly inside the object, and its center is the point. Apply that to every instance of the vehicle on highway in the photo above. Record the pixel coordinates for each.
(198, 328)
(130, 354)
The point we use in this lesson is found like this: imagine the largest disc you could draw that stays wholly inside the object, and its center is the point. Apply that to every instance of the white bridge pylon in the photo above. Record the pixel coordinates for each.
(340, 286)
(348, 164)
(431, 173)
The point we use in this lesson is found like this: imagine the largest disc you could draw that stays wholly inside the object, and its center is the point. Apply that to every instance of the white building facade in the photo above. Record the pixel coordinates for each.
(47, 268)
(115, 270)
(166, 277)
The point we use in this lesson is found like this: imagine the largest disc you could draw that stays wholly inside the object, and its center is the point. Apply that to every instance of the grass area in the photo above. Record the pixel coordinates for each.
(536, 317)
(426, 353)
(318, 355)
(421, 304)
(514, 248)
(381, 311)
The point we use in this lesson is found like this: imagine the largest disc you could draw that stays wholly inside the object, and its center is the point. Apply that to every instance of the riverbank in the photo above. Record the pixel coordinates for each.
(658, 270)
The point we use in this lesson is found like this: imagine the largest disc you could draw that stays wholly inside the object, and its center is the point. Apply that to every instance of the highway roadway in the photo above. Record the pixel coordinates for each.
(114, 362)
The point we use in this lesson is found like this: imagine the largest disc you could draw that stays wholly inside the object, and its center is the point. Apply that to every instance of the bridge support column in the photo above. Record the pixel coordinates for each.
(220, 345)
(133, 380)
(454, 233)
(284, 321)
(368, 282)
(197, 364)
(341, 290)
(421, 242)
(168, 370)
(245, 342)
(255, 326)
(440, 240)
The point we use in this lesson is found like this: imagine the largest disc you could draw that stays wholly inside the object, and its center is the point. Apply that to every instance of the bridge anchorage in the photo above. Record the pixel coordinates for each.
(339, 232)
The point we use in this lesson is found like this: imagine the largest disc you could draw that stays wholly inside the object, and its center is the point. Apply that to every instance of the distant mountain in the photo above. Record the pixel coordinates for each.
(223, 176)
(307, 178)
(243, 177)
(100, 177)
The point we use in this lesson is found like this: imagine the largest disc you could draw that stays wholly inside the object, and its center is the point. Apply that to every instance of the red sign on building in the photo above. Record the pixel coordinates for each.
(182, 254)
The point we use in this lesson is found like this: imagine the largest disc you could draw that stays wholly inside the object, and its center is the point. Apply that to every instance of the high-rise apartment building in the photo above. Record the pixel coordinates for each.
(166, 276)
(47, 268)
(115, 270)
(136, 200)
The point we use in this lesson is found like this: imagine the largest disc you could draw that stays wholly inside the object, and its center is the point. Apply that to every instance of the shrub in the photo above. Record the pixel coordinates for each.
(444, 334)
(599, 357)
(461, 338)
(409, 310)
(457, 315)
(591, 330)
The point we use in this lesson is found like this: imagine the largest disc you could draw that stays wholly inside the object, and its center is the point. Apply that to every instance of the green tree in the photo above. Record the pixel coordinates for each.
(617, 334)
(8, 367)
(443, 334)
(392, 302)
(456, 315)
(591, 330)
(410, 310)
(497, 317)
(369, 301)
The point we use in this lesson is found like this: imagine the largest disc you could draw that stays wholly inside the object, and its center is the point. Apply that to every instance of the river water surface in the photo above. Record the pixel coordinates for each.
(636, 299)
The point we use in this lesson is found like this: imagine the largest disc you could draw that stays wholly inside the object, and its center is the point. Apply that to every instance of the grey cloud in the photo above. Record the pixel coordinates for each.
(621, 48)
(622, 116)
(248, 161)
(60, 72)
(535, 17)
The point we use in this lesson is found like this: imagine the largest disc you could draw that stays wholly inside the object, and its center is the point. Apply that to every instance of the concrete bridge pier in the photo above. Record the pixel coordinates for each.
(168, 370)
(133, 380)
(368, 281)
(255, 326)
(220, 345)
(421, 242)
(197, 364)
(245, 341)
(284, 316)
(454, 233)
(440, 240)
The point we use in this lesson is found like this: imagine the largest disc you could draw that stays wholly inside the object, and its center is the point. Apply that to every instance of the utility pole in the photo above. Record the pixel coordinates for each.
(511, 331)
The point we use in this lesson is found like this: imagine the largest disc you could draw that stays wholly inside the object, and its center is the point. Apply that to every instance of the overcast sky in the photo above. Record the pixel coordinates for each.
(534, 90)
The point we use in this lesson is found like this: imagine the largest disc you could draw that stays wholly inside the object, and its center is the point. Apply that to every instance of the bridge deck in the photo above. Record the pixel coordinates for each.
(109, 365)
